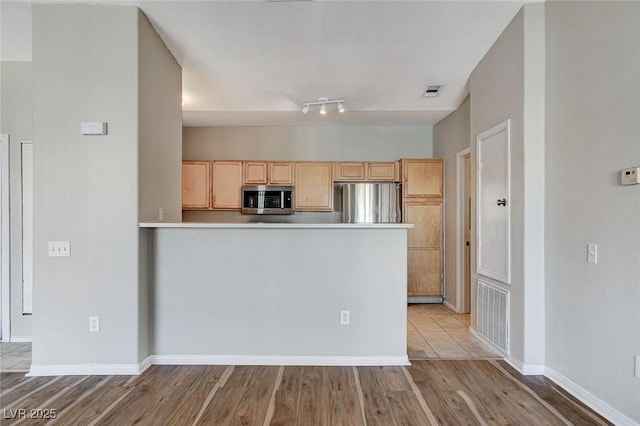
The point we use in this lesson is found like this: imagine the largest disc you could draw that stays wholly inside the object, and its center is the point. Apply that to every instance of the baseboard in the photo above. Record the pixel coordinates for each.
(525, 369)
(450, 306)
(421, 299)
(20, 339)
(592, 401)
(91, 369)
(278, 360)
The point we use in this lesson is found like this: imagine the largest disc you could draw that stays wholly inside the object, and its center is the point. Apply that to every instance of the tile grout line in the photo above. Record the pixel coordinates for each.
(472, 407)
(356, 376)
(220, 383)
(421, 401)
(531, 392)
(272, 400)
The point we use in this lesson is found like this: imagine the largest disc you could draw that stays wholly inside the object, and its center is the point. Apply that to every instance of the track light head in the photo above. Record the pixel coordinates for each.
(340, 107)
(323, 105)
(323, 109)
(305, 109)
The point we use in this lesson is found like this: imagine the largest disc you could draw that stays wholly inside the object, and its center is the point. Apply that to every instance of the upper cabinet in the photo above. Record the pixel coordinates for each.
(196, 189)
(281, 173)
(255, 172)
(363, 171)
(422, 178)
(383, 171)
(313, 186)
(268, 173)
(226, 184)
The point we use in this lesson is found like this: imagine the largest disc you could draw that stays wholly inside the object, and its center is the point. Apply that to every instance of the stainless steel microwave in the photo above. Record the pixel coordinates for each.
(264, 199)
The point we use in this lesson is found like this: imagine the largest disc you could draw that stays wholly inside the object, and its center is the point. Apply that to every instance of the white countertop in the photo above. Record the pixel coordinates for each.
(276, 225)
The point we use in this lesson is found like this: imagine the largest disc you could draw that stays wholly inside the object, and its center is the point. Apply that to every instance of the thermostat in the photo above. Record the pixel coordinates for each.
(630, 176)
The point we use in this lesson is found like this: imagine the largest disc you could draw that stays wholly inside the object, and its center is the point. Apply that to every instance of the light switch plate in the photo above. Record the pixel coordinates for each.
(59, 249)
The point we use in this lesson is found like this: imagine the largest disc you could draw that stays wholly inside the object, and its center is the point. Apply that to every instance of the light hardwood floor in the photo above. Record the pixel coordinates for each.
(427, 392)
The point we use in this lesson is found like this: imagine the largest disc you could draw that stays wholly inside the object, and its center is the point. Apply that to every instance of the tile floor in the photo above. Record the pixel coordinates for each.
(436, 332)
(15, 357)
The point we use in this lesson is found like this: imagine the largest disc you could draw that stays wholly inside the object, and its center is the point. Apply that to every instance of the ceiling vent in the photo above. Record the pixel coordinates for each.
(432, 90)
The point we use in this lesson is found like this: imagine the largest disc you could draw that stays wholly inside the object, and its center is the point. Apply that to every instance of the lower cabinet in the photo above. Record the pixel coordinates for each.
(424, 241)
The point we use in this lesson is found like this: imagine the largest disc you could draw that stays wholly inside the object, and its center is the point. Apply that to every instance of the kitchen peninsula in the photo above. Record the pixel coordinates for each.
(275, 293)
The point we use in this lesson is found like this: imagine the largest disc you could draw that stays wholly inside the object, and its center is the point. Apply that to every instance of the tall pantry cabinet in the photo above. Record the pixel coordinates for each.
(422, 194)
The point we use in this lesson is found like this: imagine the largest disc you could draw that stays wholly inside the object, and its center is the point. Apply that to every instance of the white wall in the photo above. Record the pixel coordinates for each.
(16, 120)
(159, 153)
(509, 84)
(326, 143)
(593, 131)
(450, 136)
(279, 292)
(85, 67)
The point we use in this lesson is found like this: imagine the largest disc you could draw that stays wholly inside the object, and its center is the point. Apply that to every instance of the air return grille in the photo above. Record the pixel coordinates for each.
(493, 314)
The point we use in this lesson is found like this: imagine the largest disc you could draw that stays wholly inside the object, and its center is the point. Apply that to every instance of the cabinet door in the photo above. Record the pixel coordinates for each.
(226, 182)
(427, 218)
(424, 272)
(255, 172)
(281, 173)
(382, 171)
(313, 187)
(349, 172)
(195, 185)
(422, 178)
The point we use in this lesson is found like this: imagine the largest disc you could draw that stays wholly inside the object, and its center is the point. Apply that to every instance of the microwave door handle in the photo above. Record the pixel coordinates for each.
(261, 199)
(282, 199)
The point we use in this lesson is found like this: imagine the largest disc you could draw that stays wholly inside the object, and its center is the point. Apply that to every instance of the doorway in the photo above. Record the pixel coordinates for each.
(463, 237)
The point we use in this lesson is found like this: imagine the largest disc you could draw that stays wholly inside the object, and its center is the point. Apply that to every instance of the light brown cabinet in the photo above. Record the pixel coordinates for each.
(255, 172)
(268, 173)
(226, 183)
(281, 173)
(387, 171)
(349, 171)
(196, 189)
(422, 178)
(422, 182)
(313, 186)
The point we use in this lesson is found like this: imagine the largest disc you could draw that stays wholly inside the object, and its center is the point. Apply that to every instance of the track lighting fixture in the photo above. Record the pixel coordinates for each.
(323, 105)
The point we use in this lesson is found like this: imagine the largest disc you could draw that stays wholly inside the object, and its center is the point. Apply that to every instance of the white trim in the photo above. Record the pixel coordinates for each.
(279, 360)
(450, 306)
(91, 369)
(5, 283)
(461, 177)
(525, 369)
(20, 339)
(503, 276)
(590, 400)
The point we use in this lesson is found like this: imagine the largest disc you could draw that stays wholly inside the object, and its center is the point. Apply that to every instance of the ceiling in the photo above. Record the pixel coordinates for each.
(256, 62)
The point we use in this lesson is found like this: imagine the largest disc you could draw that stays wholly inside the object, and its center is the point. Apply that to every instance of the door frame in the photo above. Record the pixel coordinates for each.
(5, 289)
(461, 177)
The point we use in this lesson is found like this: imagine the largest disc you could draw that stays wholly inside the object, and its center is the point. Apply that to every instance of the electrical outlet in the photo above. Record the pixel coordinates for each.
(637, 366)
(345, 317)
(59, 248)
(160, 214)
(94, 324)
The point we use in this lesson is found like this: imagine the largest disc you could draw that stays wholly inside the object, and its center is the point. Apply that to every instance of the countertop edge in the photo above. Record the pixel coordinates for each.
(276, 225)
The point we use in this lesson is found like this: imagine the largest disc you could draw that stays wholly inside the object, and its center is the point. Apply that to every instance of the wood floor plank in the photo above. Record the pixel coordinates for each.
(393, 379)
(344, 408)
(223, 407)
(406, 409)
(313, 406)
(341, 378)
(92, 406)
(286, 408)
(376, 404)
(253, 407)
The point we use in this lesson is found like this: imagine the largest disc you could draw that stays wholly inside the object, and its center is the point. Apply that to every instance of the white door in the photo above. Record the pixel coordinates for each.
(493, 204)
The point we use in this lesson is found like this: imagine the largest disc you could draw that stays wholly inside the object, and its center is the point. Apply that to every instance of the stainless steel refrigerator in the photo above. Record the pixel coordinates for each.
(371, 202)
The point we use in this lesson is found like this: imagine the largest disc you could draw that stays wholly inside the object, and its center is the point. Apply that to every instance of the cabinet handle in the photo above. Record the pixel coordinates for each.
(501, 202)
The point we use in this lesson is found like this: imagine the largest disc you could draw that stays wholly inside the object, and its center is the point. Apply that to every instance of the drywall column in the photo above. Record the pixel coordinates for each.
(85, 68)
(159, 154)
(592, 110)
(509, 84)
